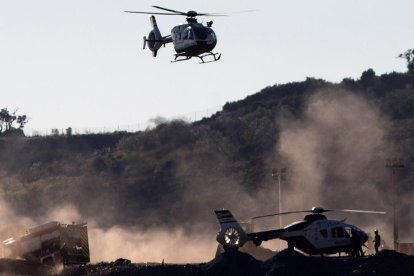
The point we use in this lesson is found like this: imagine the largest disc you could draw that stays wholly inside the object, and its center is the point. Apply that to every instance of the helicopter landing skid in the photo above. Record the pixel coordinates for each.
(181, 59)
(216, 57)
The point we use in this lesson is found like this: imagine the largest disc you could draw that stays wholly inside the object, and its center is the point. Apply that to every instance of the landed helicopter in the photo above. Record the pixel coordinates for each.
(192, 39)
(314, 235)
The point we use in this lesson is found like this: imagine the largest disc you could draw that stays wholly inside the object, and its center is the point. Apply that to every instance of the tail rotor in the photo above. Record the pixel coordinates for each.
(231, 235)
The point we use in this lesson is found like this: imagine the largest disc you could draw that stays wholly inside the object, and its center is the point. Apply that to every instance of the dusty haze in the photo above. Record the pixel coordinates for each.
(335, 154)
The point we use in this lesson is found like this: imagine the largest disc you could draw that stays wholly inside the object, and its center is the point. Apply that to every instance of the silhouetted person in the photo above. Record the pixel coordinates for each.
(357, 244)
(64, 253)
(377, 241)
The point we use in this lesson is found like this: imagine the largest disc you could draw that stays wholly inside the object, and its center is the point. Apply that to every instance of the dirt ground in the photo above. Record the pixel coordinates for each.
(286, 262)
(21, 267)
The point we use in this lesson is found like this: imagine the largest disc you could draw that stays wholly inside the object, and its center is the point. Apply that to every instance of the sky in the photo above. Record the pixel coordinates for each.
(80, 63)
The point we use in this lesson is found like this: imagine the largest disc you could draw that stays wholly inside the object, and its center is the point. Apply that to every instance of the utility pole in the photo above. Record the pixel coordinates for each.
(394, 164)
(277, 176)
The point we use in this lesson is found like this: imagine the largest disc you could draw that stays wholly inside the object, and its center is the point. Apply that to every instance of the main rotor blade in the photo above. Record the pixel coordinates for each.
(173, 11)
(320, 210)
(211, 14)
(189, 12)
(161, 13)
(284, 213)
(357, 211)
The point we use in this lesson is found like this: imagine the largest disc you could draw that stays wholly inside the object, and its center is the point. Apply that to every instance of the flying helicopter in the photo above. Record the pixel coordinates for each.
(314, 235)
(191, 39)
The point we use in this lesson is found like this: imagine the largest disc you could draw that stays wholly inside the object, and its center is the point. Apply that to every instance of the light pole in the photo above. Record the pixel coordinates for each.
(394, 164)
(277, 175)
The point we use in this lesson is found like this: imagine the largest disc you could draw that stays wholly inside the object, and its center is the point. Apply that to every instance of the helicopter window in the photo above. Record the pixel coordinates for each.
(348, 232)
(176, 36)
(212, 35)
(337, 232)
(200, 32)
(324, 233)
(188, 33)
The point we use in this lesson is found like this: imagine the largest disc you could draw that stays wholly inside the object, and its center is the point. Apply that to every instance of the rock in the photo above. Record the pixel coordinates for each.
(233, 263)
(121, 261)
(289, 262)
(387, 262)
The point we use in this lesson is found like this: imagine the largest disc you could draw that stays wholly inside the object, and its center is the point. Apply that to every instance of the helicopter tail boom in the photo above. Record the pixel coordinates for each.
(155, 40)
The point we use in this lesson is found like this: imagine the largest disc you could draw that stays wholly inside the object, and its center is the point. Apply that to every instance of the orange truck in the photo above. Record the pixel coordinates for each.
(51, 243)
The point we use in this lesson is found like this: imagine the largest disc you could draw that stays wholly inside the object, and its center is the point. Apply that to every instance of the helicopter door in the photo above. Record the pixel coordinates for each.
(322, 241)
(339, 236)
(184, 38)
(320, 236)
(338, 232)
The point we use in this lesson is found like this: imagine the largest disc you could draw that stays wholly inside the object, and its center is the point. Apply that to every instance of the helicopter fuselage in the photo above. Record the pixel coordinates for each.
(322, 236)
(193, 39)
(315, 234)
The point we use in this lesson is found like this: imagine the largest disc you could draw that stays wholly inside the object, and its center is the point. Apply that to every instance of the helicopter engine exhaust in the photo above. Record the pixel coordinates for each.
(155, 39)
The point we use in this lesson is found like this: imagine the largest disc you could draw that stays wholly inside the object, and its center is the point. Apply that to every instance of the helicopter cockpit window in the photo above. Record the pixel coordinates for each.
(212, 35)
(188, 33)
(324, 233)
(337, 232)
(348, 232)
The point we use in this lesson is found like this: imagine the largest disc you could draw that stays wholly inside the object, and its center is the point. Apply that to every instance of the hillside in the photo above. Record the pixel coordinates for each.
(333, 138)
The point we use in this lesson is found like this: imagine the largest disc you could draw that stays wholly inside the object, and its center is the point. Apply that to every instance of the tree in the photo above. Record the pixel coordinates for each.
(22, 120)
(409, 57)
(55, 131)
(7, 119)
(368, 77)
(69, 131)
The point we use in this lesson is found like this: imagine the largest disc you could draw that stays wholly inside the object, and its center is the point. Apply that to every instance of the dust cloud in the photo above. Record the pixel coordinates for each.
(150, 245)
(336, 152)
(12, 225)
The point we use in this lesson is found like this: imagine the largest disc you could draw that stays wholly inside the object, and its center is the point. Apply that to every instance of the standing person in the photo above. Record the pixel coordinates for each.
(377, 240)
(64, 253)
(357, 244)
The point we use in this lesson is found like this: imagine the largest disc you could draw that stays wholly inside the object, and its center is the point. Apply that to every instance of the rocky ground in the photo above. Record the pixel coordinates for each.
(387, 262)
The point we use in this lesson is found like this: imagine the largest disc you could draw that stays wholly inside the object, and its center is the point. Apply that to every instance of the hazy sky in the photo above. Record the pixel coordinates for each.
(80, 63)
